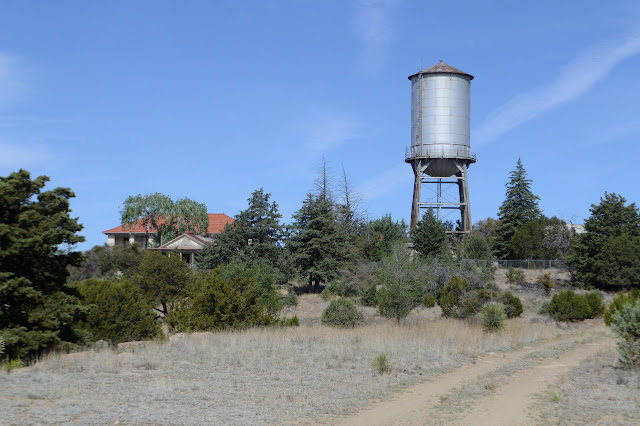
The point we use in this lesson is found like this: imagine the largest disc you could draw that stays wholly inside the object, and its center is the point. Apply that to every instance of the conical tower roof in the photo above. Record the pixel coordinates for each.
(439, 68)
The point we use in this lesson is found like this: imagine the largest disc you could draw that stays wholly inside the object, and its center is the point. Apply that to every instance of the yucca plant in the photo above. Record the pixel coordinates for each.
(493, 317)
(381, 364)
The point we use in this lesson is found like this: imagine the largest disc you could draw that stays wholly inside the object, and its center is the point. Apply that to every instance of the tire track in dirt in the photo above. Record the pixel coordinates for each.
(415, 405)
(510, 405)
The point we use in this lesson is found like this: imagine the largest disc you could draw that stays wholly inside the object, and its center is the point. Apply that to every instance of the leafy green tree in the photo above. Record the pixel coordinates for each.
(430, 236)
(317, 243)
(255, 237)
(37, 308)
(161, 279)
(118, 312)
(519, 208)
(213, 302)
(164, 217)
(608, 254)
(378, 237)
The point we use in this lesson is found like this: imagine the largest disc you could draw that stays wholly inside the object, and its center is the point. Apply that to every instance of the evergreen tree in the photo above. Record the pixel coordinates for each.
(118, 312)
(37, 308)
(161, 279)
(213, 302)
(255, 237)
(317, 243)
(378, 236)
(519, 208)
(430, 236)
(608, 254)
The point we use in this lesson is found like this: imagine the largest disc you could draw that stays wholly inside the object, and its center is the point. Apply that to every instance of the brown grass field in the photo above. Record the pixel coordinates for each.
(306, 374)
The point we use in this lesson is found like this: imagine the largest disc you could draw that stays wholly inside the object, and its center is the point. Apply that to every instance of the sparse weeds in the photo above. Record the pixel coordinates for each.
(203, 370)
(545, 281)
(515, 275)
(381, 364)
(12, 364)
(555, 395)
(595, 392)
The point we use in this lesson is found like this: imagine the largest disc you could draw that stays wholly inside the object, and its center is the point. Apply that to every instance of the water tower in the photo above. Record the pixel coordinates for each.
(440, 152)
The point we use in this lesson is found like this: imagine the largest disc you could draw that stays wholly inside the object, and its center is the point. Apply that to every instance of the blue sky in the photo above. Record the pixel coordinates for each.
(211, 100)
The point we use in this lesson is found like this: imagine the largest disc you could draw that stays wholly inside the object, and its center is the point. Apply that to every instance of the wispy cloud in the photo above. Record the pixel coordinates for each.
(15, 156)
(386, 182)
(11, 87)
(373, 27)
(614, 133)
(327, 131)
(574, 80)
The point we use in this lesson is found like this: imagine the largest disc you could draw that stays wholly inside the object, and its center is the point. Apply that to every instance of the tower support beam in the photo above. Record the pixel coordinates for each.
(437, 185)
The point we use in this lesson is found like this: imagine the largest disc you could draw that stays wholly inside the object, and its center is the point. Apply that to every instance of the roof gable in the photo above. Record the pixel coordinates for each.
(184, 241)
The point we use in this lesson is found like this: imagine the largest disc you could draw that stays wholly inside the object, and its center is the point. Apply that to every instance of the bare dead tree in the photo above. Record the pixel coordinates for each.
(323, 184)
(350, 208)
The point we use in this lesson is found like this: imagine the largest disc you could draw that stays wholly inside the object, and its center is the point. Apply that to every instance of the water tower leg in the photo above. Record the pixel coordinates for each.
(417, 187)
(463, 188)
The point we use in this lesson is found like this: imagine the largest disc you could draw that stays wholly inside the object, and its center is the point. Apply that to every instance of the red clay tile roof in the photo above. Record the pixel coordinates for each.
(216, 225)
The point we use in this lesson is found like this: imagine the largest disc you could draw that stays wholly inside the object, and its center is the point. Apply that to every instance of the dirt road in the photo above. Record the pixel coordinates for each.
(498, 389)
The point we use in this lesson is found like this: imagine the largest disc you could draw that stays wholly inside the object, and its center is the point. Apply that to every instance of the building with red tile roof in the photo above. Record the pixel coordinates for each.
(139, 234)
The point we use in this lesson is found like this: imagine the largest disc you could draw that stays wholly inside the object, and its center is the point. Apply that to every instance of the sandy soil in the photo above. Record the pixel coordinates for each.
(527, 372)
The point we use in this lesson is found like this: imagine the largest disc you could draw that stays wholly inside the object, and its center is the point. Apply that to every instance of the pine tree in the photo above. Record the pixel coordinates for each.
(519, 208)
(255, 237)
(318, 244)
(378, 236)
(430, 236)
(37, 308)
(608, 254)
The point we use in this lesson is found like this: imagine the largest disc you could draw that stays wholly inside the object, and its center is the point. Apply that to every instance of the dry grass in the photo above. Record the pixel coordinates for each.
(598, 391)
(257, 376)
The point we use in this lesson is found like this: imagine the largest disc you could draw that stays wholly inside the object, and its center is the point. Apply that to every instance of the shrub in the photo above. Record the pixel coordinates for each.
(429, 301)
(626, 324)
(452, 294)
(618, 301)
(118, 311)
(546, 283)
(544, 309)
(570, 307)
(215, 303)
(289, 322)
(264, 277)
(596, 305)
(512, 304)
(493, 317)
(290, 299)
(515, 275)
(12, 364)
(380, 364)
(344, 288)
(326, 294)
(370, 296)
(342, 313)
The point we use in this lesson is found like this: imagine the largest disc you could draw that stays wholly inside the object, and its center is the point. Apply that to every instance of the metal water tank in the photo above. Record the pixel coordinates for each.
(440, 118)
